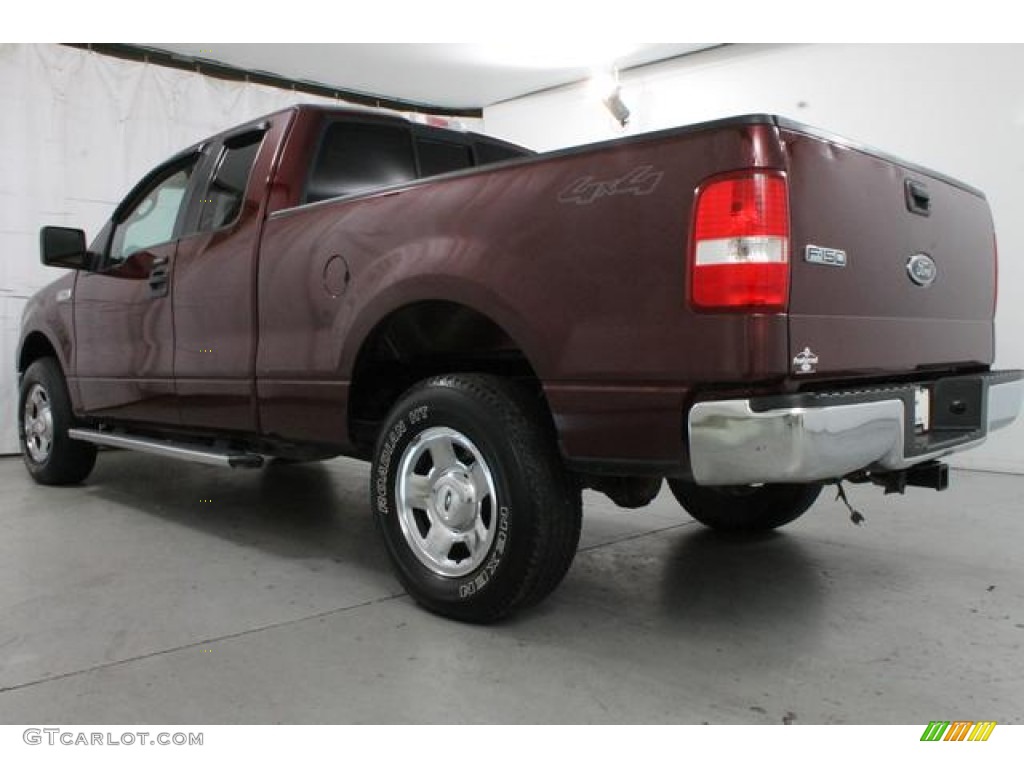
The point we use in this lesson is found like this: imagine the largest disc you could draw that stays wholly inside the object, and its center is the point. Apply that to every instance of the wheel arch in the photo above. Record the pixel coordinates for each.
(424, 338)
(34, 346)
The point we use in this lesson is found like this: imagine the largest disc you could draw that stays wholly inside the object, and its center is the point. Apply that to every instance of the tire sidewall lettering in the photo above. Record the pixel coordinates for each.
(381, 484)
(487, 571)
(418, 414)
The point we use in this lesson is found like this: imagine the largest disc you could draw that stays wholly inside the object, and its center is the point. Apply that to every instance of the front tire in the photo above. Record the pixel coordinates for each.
(745, 509)
(477, 513)
(44, 417)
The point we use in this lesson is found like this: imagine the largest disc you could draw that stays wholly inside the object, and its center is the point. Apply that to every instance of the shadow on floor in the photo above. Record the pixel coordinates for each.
(718, 584)
(708, 592)
(314, 510)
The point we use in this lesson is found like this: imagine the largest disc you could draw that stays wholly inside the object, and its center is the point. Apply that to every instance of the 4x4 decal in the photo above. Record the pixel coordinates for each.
(642, 180)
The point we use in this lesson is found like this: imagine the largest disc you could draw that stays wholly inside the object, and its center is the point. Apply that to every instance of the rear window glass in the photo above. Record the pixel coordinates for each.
(438, 157)
(495, 153)
(356, 158)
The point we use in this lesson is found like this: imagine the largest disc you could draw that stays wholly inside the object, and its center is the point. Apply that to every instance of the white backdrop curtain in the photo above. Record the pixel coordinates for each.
(77, 130)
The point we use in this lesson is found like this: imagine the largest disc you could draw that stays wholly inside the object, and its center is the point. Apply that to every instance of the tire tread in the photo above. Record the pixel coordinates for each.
(756, 511)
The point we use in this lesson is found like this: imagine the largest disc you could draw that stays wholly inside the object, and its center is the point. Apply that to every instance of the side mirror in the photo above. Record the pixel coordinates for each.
(65, 247)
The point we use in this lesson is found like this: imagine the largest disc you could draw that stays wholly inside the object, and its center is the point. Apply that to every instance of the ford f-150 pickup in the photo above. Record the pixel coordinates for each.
(747, 308)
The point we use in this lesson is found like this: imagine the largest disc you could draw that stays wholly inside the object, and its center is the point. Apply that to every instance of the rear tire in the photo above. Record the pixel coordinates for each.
(469, 493)
(44, 417)
(745, 508)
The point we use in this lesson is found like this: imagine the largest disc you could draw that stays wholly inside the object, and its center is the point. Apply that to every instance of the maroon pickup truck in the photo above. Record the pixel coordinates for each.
(747, 308)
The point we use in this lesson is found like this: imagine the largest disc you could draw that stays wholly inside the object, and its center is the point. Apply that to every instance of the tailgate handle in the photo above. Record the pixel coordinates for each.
(919, 200)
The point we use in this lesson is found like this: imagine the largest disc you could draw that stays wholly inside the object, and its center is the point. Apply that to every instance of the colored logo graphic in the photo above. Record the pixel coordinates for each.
(958, 730)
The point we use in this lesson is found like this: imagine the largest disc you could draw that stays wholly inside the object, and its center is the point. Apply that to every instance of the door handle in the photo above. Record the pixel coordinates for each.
(159, 277)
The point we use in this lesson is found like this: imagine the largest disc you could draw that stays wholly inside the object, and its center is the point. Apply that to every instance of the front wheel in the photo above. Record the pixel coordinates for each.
(745, 508)
(476, 511)
(44, 417)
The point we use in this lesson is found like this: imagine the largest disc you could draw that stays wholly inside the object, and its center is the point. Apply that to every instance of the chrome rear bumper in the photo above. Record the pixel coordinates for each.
(738, 442)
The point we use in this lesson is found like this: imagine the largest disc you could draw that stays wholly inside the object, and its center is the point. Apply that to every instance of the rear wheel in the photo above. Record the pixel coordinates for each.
(745, 508)
(44, 417)
(477, 513)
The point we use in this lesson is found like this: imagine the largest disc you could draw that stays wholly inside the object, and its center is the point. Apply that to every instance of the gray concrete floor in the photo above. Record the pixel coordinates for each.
(131, 599)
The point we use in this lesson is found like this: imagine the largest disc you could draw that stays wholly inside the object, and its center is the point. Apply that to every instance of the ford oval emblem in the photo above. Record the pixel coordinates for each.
(922, 269)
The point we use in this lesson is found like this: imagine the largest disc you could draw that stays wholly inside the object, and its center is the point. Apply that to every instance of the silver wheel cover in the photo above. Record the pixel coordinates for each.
(446, 501)
(38, 424)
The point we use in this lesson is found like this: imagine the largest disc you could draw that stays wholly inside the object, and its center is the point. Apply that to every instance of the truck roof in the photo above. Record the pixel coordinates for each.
(353, 109)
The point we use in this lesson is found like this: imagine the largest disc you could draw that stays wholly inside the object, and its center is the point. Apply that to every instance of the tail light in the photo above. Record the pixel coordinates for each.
(740, 258)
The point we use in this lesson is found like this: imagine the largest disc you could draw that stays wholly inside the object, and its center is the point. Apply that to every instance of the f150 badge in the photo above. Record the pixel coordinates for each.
(829, 257)
(805, 362)
(642, 180)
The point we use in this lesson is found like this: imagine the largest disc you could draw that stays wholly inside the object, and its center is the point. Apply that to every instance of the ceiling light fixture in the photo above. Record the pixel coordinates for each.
(605, 86)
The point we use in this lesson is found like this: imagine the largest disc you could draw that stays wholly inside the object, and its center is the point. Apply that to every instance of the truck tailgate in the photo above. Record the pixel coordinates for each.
(892, 267)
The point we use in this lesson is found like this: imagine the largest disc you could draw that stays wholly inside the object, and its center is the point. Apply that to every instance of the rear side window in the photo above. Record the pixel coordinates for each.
(223, 200)
(357, 157)
(438, 157)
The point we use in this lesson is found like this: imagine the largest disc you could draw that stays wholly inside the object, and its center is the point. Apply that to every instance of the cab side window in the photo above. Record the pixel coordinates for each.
(359, 157)
(222, 201)
(152, 219)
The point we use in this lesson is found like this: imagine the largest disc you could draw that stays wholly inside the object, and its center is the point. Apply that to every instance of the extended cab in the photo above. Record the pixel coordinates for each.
(747, 308)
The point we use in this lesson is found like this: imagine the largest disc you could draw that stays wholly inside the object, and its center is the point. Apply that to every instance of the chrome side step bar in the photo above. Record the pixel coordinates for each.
(171, 450)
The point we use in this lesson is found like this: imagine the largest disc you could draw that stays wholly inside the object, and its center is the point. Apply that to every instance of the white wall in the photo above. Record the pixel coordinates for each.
(956, 108)
(77, 130)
